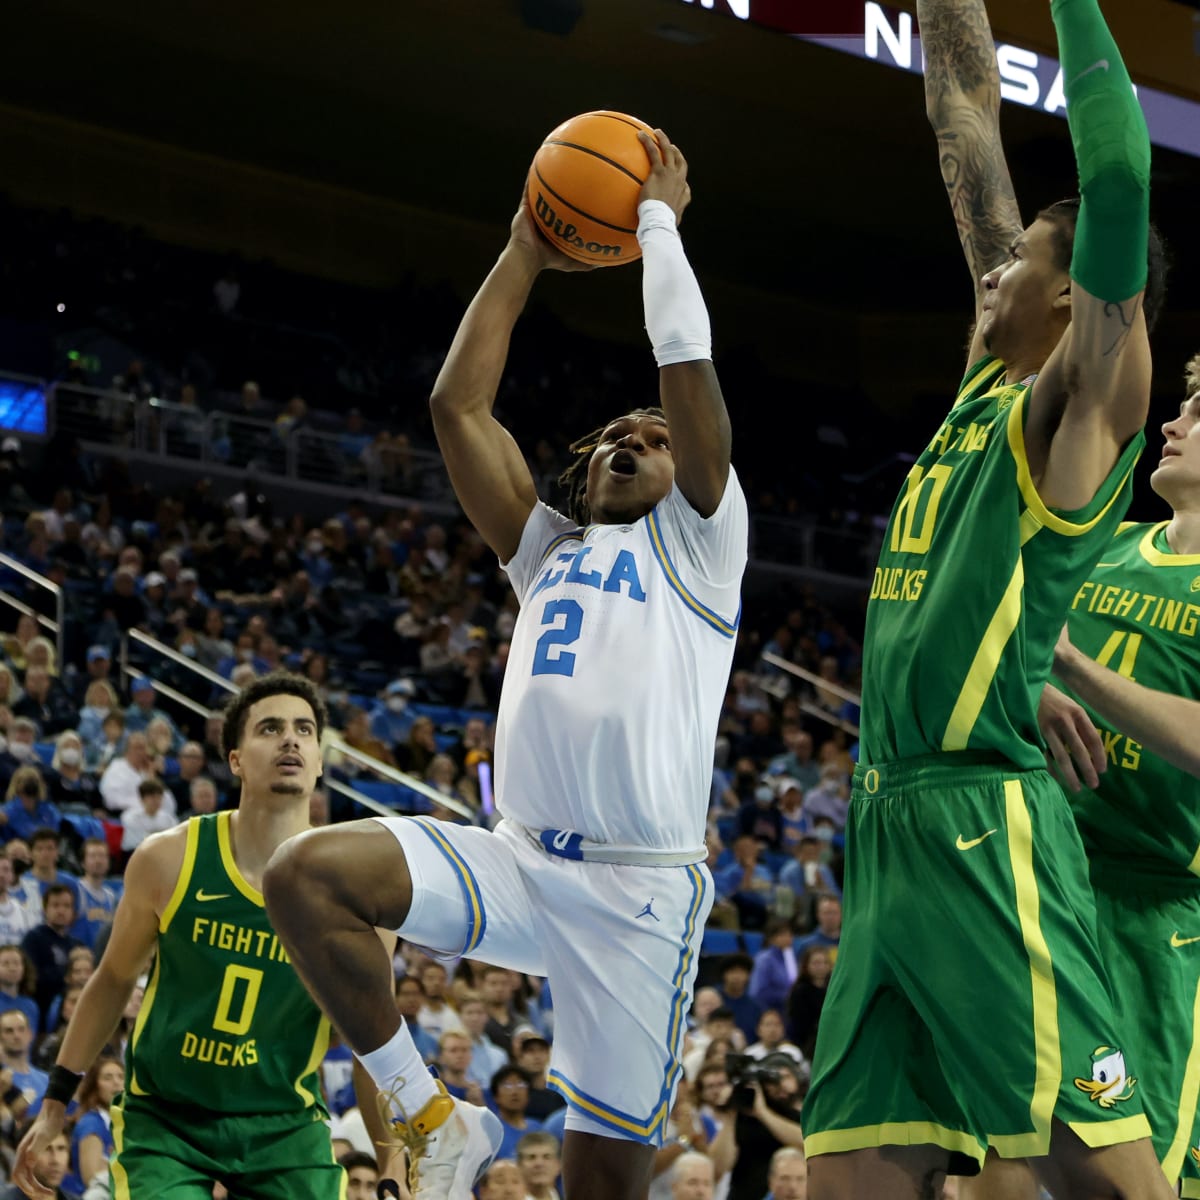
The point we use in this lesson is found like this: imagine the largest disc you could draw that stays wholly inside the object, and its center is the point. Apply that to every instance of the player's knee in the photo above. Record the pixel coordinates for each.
(302, 867)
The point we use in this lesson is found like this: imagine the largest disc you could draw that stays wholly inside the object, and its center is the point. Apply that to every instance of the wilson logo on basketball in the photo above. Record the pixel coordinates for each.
(569, 233)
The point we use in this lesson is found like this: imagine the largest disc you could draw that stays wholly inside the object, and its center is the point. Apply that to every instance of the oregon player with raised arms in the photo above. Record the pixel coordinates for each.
(1133, 657)
(969, 991)
(222, 1079)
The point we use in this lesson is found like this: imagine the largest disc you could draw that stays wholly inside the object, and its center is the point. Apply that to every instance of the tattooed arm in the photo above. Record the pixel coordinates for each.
(962, 100)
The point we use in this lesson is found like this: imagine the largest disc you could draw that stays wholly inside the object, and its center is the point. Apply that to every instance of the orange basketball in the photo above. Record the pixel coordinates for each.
(584, 186)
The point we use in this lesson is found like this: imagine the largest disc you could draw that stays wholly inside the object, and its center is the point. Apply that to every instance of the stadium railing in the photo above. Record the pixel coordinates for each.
(55, 626)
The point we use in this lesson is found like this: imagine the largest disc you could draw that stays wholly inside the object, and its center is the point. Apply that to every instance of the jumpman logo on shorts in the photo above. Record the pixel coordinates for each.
(647, 911)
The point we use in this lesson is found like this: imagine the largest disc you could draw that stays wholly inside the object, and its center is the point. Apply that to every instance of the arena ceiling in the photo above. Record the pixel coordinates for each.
(813, 172)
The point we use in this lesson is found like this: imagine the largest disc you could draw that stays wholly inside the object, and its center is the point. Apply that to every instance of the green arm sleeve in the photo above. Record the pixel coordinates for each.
(1112, 151)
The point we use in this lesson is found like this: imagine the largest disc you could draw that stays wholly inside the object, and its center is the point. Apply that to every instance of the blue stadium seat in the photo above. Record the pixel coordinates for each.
(44, 751)
(721, 941)
(752, 941)
(775, 861)
(727, 827)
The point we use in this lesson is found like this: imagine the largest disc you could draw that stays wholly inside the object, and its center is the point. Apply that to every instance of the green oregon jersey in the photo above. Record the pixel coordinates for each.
(226, 1024)
(1138, 613)
(973, 582)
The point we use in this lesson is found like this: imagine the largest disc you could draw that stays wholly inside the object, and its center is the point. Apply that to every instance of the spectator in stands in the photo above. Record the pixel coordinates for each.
(787, 1176)
(540, 1161)
(46, 704)
(772, 1039)
(190, 764)
(497, 986)
(486, 1057)
(123, 606)
(28, 808)
(501, 1181)
(112, 731)
(531, 1052)
(719, 1027)
(510, 1095)
(760, 741)
(769, 1122)
(143, 710)
(43, 873)
(18, 982)
(712, 1097)
(119, 783)
(10, 688)
(358, 735)
(47, 1050)
(98, 896)
(212, 646)
(415, 755)
(99, 699)
(746, 882)
(362, 1175)
(91, 1136)
(808, 998)
(453, 1062)
(51, 1168)
(830, 798)
(760, 818)
(202, 798)
(797, 760)
(437, 1016)
(69, 782)
(793, 824)
(775, 967)
(16, 1038)
(216, 766)
(691, 1177)
(828, 932)
(807, 876)
(410, 996)
(735, 995)
(41, 653)
(14, 643)
(49, 945)
(148, 816)
(16, 917)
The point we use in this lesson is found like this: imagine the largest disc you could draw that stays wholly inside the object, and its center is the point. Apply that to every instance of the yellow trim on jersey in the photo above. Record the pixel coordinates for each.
(975, 376)
(983, 668)
(1190, 1189)
(143, 1014)
(1047, 1051)
(120, 1177)
(894, 1133)
(1194, 865)
(239, 881)
(1098, 1134)
(320, 1046)
(1029, 492)
(1156, 558)
(185, 877)
(576, 535)
(1189, 1093)
(659, 547)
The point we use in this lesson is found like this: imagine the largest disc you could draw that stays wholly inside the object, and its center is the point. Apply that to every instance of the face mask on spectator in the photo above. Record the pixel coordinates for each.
(246, 655)
(396, 704)
(69, 757)
(21, 751)
(188, 650)
(314, 547)
(824, 833)
(30, 791)
(763, 794)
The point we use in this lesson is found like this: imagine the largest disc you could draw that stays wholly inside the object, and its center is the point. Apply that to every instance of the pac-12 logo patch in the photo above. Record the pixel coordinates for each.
(1109, 1083)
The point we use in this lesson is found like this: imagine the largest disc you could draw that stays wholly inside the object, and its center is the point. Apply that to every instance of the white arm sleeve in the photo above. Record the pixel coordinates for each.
(676, 317)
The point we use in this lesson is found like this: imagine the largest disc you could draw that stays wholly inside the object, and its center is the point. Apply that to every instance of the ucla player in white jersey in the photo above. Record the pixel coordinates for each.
(595, 877)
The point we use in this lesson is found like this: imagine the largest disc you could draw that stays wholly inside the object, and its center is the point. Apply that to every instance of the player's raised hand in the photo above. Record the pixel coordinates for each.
(1074, 748)
(667, 180)
(526, 238)
(41, 1133)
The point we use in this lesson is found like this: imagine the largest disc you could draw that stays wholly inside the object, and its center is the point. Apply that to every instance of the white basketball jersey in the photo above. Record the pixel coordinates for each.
(617, 672)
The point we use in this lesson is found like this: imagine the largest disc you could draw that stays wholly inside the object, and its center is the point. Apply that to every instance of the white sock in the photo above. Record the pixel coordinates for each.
(399, 1072)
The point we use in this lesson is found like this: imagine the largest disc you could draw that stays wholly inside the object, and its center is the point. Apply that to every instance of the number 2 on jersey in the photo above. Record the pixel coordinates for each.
(562, 662)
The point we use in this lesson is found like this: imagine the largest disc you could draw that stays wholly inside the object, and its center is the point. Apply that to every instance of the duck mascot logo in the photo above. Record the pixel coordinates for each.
(1109, 1083)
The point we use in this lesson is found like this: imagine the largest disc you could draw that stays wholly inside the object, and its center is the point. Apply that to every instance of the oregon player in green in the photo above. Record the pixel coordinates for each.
(222, 1066)
(969, 994)
(1133, 658)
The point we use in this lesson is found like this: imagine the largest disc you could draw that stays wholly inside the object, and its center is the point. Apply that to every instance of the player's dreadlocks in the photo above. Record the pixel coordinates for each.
(1191, 378)
(574, 478)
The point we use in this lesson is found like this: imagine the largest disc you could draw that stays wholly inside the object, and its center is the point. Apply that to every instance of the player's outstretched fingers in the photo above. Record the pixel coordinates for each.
(653, 149)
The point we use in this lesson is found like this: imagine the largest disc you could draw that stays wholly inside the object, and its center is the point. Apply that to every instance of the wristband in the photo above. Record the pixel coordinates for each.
(63, 1084)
